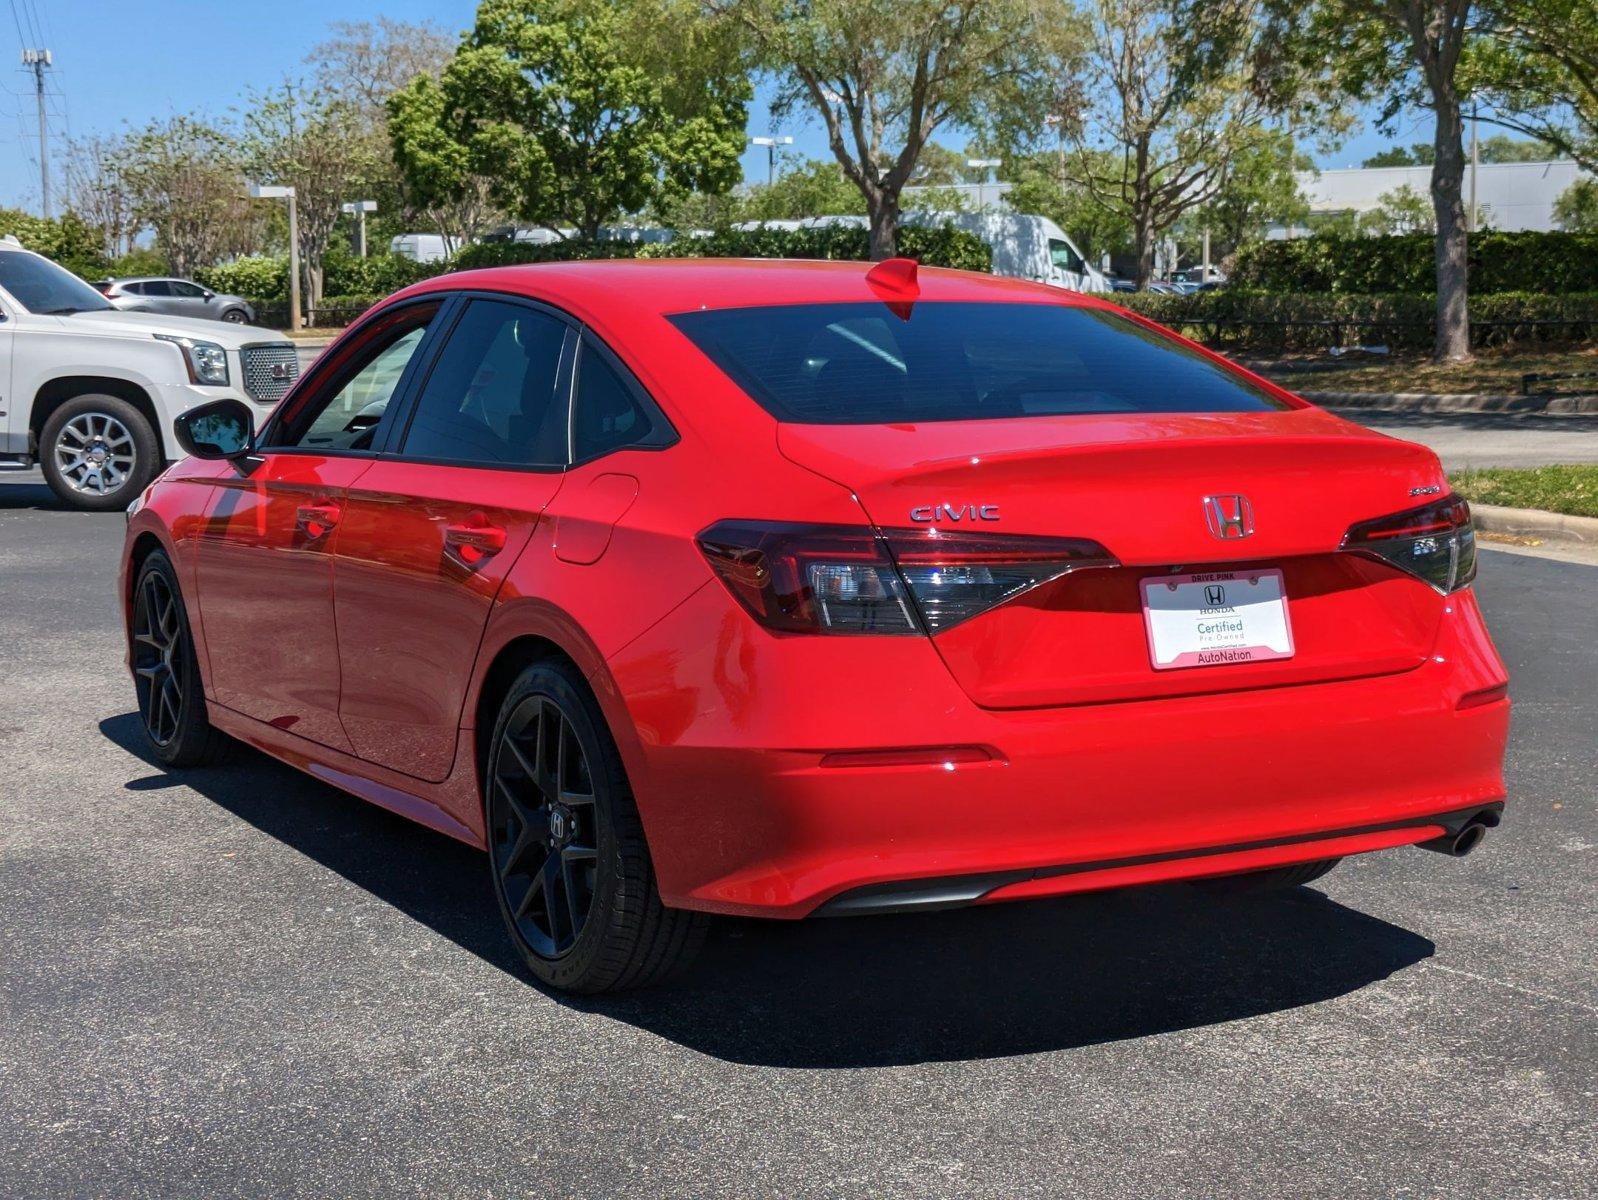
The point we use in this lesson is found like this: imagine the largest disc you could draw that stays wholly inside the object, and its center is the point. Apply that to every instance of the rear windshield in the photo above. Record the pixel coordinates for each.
(864, 364)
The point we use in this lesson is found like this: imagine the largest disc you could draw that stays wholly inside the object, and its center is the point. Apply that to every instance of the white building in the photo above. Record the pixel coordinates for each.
(1508, 195)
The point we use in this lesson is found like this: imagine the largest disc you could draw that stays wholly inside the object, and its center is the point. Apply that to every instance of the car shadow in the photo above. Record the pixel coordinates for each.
(27, 490)
(871, 991)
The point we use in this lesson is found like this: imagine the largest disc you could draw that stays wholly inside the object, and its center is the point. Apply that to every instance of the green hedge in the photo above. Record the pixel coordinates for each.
(1547, 263)
(939, 247)
(1281, 321)
(266, 278)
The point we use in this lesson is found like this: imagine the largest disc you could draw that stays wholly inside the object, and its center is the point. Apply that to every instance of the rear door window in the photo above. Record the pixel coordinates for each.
(864, 363)
(491, 397)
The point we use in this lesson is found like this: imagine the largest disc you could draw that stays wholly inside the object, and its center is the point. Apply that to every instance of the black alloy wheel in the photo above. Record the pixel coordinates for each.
(545, 835)
(166, 673)
(160, 659)
(569, 861)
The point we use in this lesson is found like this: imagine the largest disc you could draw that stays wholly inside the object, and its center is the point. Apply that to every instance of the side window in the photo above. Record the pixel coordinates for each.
(491, 396)
(188, 291)
(156, 287)
(133, 289)
(1067, 259)
(347, 407)
(607, 413)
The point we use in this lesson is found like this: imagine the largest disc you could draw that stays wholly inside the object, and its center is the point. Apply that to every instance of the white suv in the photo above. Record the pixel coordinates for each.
(89, 392)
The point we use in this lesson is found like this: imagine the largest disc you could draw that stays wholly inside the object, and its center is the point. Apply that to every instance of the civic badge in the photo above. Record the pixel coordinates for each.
(1229, 517)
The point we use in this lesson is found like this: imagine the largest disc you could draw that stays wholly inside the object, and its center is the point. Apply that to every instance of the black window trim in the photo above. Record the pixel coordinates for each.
(395, 440)
(324, 373)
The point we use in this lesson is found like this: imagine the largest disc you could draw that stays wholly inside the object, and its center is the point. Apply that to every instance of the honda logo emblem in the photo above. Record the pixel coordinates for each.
(1214, 595)
(1229, 517)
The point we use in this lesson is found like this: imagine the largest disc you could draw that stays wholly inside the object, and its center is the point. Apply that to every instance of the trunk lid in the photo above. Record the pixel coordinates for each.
(1137, 484)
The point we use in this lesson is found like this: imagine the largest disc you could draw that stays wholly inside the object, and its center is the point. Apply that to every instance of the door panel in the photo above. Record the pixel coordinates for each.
(416, 576)
(433, 529)
(265, 575)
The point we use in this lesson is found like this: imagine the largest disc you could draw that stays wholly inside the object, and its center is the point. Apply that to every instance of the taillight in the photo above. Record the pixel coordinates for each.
(847, 579)
(1435, 542)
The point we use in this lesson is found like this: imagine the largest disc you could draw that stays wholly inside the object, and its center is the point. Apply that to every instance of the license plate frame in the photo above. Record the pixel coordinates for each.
(1216, 618)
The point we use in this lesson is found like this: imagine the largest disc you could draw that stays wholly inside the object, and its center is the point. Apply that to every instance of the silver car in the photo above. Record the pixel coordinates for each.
(175, 297)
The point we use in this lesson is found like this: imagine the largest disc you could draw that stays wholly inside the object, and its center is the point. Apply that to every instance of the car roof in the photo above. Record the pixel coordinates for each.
(675, 285)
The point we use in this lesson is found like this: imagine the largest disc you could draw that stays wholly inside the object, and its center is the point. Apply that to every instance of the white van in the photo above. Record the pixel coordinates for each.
(1024, 247)
(419, 247)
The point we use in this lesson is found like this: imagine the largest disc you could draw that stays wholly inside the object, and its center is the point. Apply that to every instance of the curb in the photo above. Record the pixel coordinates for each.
(1534, 522)
(1444, 403)
(313, 343)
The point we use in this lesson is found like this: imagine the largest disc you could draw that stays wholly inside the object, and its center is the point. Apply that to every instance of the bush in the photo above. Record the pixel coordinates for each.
(1546, 263)
(1279, 321)
(261, 278)
(942, 246)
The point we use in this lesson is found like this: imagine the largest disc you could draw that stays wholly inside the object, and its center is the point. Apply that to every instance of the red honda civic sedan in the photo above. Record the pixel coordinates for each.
(794, 588)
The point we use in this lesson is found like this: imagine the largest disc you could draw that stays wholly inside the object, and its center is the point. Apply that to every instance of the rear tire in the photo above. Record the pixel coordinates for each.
(1272, 879)
(166, 672)
(98, 452)
(570, 865)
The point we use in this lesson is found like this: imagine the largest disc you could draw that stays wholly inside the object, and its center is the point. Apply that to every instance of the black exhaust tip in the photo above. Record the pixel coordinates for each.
(1461, 841)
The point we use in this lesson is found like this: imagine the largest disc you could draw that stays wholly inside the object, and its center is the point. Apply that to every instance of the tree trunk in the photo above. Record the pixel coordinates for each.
(1448, 178)
(884, 217)
(1144, 238)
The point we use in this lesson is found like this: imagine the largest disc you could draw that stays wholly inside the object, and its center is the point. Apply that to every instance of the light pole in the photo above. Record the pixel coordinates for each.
(983, 165)
(271, 192)
(771, 143)
(358, 209)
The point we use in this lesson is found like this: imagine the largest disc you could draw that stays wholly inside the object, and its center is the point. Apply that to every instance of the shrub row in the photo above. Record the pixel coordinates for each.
(1525, 261)
(1282, 321)
(266, 278)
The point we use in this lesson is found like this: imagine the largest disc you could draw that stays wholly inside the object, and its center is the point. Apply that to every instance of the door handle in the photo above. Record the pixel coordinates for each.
(317, 520)
(474, 539)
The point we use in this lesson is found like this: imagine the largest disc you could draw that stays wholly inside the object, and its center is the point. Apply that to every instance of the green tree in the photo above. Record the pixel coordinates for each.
(885, 75)
(1403, 54)
(1417, 155)
(1538, 67)
(67, 239)
(185, 176)
(581, 110)
(1576, 209)
(1501, 148)
(319, 144)
(814, 188)
(1260, 189)
(1169, 110)
(1402, 210)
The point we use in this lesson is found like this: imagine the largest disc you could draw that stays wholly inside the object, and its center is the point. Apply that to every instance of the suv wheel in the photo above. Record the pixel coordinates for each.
(235, 316)
(570, 865)
(98, 452)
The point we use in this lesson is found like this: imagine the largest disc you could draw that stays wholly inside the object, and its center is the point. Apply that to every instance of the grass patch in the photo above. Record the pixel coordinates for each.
(1490, 373)
(1572, 489)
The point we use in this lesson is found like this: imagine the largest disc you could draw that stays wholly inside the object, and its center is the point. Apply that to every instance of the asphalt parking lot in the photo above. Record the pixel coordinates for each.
(240, 982)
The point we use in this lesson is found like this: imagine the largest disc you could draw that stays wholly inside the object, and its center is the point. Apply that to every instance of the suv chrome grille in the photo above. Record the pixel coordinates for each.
(269, 370)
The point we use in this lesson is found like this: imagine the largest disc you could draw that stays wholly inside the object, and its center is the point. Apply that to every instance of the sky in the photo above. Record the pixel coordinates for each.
(124, 62)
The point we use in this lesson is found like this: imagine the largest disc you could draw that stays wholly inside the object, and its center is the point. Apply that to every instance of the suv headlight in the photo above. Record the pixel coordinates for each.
(206, 361)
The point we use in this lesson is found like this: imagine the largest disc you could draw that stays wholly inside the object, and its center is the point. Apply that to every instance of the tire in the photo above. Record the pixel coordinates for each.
(1272, 879)
(98, 452)
(570, 865)
(235, 316)
(166, 672)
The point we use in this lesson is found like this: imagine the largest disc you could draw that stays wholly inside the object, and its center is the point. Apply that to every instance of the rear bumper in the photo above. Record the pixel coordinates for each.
(746, 813)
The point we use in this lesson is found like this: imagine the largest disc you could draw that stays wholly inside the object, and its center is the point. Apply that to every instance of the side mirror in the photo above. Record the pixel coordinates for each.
(209, 294)
(220, 429)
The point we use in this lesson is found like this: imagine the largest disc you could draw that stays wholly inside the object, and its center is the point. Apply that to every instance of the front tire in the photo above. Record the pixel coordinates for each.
(98, 452)
(166, 672)
(235, 316)
(570, 865)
